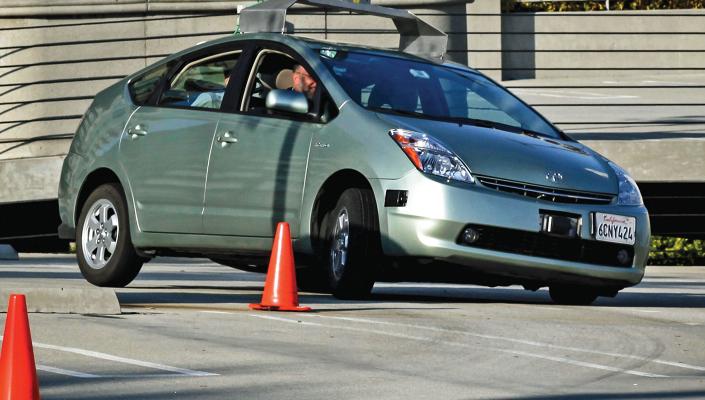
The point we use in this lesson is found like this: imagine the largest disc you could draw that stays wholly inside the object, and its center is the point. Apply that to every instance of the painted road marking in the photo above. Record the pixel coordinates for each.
(67, 372)
(674, 280)
(568, 94)
(124, 360)
(110, 357)
(457, 344)
(585, 364)
(512, 340)
(670, 82)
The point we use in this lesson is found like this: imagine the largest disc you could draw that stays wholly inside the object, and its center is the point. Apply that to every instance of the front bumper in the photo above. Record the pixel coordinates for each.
(436, 213)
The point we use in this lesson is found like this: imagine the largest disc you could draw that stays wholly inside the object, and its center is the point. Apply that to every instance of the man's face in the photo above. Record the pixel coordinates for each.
(304, 83)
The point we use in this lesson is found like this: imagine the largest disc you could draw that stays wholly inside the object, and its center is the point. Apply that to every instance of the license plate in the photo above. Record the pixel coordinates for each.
(615, 228)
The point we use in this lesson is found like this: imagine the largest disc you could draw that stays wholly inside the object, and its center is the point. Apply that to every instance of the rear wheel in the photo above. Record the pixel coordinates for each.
(104, 249)
(354, 251)
(573, 295)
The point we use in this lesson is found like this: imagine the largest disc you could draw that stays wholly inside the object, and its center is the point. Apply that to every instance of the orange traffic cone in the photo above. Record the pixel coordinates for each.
(280, 291)
(18, 375)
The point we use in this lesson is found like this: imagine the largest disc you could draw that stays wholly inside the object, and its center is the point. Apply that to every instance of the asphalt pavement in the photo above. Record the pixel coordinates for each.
(185, 331)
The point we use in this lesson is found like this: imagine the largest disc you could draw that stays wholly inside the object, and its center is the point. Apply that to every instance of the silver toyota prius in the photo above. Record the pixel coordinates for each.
(386, 165)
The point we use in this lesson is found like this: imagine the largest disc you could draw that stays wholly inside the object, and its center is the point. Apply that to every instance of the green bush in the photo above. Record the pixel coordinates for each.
(676, 251)
(590, 5)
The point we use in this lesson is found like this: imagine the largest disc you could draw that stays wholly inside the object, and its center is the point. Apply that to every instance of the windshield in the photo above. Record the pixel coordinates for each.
(400, 86)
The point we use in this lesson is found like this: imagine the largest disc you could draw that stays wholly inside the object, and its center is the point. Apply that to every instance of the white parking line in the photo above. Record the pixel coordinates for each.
(67, 372)
(567, 94)
(585, 364)
(124, 360)
(110, 357)
(670, 82)
(457, 344)
(644, 311)
(512, 340)
(674, 280)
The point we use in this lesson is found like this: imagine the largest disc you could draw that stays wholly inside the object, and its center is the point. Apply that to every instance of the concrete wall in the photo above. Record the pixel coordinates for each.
(55, 55)
(526, 37)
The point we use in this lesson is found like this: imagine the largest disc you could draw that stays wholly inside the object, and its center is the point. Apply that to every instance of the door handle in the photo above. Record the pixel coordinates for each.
(226, 139)
(137, 131)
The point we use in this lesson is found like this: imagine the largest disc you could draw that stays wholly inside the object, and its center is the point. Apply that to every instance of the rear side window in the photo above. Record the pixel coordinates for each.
(141, 88)
(201, 83)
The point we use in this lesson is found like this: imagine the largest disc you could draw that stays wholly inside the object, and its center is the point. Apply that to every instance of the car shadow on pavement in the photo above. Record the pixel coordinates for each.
(195, 296)
(179, 297)
(423, 294)
(469, 294)
(654, 300)
(41, 275)
(684, 394)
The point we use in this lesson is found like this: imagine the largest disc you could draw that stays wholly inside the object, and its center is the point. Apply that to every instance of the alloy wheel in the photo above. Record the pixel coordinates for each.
(340, 242)
(100, 234)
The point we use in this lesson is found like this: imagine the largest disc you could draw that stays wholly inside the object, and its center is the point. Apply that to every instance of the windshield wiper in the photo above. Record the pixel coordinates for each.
(475, 122)
(494, 125)
(399, 112)
(483, 123)
(459, 120)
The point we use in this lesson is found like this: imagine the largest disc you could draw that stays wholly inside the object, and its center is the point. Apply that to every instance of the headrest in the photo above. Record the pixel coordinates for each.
(285, 79)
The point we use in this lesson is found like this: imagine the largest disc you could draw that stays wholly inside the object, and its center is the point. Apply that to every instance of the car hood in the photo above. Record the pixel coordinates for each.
(518, 157)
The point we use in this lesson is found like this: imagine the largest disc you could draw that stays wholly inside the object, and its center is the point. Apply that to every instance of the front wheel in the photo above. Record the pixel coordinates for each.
(354, 250)
(573, 295)
(104, 249)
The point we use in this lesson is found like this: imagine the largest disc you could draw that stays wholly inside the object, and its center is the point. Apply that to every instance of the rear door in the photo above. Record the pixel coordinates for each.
(165, 146)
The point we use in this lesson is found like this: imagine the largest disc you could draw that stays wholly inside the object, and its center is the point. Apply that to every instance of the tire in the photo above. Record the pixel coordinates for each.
(104, 226)
(573, 295)
(313, 279)
(353, 244)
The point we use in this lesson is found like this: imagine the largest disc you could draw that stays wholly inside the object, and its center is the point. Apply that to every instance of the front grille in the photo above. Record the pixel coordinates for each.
(545, 193)
(542, 245)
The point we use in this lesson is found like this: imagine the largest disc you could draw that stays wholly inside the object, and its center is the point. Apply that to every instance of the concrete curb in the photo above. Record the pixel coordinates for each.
(7, 252)
(65, 300)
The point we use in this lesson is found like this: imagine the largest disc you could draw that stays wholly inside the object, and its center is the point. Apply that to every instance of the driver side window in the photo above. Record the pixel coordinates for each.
(273, 70)
(201, 83)
(297, 93)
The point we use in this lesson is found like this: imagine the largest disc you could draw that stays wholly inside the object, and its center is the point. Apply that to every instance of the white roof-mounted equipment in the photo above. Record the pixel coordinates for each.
(416, 36)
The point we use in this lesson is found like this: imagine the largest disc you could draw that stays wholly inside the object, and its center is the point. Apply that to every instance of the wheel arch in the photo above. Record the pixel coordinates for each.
(328, 195)
(94, 179)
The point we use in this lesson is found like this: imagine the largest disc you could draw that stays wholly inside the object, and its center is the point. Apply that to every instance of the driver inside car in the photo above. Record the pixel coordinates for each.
(213, 99)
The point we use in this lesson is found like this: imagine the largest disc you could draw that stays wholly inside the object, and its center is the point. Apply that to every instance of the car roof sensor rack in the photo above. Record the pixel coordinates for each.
(416, 36)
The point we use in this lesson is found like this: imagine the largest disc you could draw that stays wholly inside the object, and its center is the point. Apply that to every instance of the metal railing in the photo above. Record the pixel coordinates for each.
(607, 2)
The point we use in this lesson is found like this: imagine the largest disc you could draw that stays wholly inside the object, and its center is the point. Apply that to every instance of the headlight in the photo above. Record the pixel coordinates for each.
(629, 194)
(430, 156)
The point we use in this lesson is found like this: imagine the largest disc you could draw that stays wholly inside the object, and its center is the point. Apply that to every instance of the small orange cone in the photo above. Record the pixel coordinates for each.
(280, 291)
(18, 374)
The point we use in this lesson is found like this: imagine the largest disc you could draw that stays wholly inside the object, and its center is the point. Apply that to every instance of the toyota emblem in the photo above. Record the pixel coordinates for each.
(554, 176)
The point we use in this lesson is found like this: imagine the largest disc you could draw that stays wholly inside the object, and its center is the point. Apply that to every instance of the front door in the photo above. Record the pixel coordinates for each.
(258, 160)
(256, 175)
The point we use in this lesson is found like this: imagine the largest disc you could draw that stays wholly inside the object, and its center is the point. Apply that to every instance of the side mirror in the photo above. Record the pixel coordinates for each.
(287, 101)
